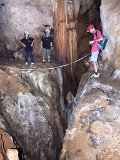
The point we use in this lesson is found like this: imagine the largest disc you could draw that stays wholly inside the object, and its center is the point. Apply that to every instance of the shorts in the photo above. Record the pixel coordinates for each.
(94, 56)
(46, 52)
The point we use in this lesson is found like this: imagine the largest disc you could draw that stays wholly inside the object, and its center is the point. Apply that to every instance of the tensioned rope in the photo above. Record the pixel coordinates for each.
(50, 68)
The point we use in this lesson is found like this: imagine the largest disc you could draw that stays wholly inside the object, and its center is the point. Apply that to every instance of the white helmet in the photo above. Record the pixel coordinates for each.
(47, 31)
(26, 32)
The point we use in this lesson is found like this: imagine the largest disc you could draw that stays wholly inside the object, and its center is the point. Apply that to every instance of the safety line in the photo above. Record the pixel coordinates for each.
(51, 68)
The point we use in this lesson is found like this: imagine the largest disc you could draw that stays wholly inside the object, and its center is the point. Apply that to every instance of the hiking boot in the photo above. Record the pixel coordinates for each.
(26, 63)
(95, 75)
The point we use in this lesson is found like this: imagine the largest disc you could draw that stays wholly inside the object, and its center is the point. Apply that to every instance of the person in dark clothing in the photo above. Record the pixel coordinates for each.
(27, 43)
(46, 45)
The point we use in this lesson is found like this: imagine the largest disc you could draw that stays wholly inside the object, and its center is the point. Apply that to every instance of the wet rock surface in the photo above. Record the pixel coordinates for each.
(94, 127)
(31, 103)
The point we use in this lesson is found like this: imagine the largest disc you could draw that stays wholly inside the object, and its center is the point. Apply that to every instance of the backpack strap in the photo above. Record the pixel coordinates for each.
(96, 34)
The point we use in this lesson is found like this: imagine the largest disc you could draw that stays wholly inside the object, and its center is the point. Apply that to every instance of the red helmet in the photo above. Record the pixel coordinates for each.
(89, 27)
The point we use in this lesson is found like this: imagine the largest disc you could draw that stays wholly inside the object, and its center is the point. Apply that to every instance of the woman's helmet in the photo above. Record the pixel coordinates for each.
(26, 33)
(47, 31)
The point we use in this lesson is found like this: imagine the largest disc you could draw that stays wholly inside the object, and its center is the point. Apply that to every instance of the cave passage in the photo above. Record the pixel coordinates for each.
(68, 25)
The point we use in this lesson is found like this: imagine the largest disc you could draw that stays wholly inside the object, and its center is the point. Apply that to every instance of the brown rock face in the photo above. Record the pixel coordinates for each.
(6, 143)
(19, 16)
(94, 129)
(67, 32)
(66, 28)
(111, 28)
(32, 104)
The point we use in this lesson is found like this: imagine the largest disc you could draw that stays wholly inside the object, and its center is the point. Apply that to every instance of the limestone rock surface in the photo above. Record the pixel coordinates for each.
(94, 127)
(18, 16)
(110, 18)
(31, 103)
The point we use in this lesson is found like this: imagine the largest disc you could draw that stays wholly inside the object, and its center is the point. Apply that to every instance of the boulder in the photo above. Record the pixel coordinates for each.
(34, 110)
(94, 130)
(6, 143)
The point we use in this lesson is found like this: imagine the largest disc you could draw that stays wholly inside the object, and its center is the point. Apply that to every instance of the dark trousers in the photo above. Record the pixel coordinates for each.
(27, 54)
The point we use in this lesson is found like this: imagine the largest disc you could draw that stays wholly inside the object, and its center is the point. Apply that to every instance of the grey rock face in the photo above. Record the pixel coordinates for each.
(111, 28)
(18, 16)
(33, 112)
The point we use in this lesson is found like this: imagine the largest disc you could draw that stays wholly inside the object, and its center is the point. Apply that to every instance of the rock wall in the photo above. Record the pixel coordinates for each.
(94, 132)
(67, 33)
(18, 16)
(94, 125)
(7, 146)
(66, 28)
(110, 18)
(31, 103)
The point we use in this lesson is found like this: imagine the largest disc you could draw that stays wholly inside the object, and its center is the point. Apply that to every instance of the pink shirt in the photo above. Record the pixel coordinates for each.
(97, 35)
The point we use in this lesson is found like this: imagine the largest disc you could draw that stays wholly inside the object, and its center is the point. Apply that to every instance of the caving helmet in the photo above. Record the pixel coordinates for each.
(26, 33)
(47, 31)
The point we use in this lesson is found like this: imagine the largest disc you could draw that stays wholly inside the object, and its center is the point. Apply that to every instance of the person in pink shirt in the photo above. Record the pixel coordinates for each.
(97, 37)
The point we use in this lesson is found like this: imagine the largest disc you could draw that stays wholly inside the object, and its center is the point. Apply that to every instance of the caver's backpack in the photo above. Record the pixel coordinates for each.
(102, 44)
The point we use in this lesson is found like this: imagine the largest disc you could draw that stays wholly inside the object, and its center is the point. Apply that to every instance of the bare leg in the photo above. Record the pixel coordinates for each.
(95, 65)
